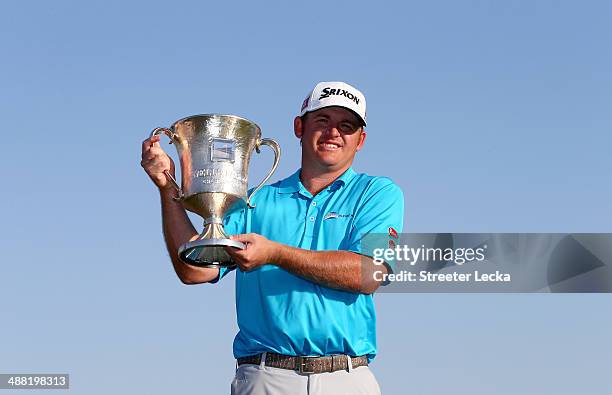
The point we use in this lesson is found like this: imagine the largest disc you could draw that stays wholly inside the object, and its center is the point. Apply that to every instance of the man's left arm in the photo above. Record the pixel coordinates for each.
(344, 270)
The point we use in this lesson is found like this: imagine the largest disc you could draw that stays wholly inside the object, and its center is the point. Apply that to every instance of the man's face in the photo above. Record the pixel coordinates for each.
(330, 137)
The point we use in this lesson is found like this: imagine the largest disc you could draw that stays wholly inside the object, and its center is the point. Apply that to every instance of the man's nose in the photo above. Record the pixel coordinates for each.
(333, 130)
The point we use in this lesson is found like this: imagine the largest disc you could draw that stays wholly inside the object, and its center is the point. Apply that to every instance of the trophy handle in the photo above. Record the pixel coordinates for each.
(172, 135)
(277, 153)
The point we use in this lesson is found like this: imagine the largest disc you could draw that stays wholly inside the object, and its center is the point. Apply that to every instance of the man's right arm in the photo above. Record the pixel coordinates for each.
(176, 225)
(179, 230)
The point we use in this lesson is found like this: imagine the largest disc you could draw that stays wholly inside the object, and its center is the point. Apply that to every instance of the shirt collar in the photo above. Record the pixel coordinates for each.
(293, 184)
(345, 178)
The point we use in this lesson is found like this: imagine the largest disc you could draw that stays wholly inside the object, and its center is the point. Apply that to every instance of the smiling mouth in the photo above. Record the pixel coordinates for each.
(329, 146)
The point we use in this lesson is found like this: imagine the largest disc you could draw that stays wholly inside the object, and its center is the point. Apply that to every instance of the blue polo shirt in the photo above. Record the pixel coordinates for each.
(280, 312)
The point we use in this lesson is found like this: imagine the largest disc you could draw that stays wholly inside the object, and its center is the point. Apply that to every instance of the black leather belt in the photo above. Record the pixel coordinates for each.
(329, 363)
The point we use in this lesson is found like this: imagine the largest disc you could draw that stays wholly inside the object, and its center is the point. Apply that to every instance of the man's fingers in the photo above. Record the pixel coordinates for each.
(146, 144)
(152, 166)
(230, 250)
(151, 142)
(155, 141)
(235, 251)
(152, 154)
(152, 151)
(238, 255)
(243, 238)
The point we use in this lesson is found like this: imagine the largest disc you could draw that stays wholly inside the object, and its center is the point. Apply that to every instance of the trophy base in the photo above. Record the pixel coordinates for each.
(208, 253)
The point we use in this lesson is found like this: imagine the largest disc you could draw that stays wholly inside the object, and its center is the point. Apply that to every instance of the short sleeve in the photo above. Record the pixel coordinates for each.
(233, 224)
(379, 219)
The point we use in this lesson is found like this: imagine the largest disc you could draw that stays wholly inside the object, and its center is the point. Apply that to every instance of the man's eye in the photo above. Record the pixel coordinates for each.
(347, 126)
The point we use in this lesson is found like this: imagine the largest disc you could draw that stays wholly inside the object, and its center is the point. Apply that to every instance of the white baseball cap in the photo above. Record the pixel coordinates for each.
(327, 94)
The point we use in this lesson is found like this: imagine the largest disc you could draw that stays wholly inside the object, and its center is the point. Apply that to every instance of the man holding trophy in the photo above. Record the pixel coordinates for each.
(304, 282)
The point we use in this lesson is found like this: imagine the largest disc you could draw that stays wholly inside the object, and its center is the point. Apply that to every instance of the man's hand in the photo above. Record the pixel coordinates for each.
(155, 161)
(258, 251)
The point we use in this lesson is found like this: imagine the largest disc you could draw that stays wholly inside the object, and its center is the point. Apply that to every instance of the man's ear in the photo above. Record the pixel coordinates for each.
(298, 127)
(362, 139)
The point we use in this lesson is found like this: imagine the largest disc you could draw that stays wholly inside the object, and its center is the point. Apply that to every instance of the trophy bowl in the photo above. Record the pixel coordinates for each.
(214, 152)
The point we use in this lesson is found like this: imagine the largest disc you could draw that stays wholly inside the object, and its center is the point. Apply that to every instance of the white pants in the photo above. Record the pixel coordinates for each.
(265, 380)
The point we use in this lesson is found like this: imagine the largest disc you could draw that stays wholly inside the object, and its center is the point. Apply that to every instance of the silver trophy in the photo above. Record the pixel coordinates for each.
(214, 152)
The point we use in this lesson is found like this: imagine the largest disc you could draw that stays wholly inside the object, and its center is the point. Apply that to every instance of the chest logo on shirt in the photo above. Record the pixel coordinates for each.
(333, 214)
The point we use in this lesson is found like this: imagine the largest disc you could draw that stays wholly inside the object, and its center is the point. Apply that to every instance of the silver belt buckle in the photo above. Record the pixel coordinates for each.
(301, 364)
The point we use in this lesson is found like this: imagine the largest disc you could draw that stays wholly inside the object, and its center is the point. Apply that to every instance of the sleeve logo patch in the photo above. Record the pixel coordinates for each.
(393, 233)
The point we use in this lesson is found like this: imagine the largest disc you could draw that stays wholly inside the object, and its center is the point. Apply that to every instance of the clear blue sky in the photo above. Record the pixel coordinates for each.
(491, 115)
